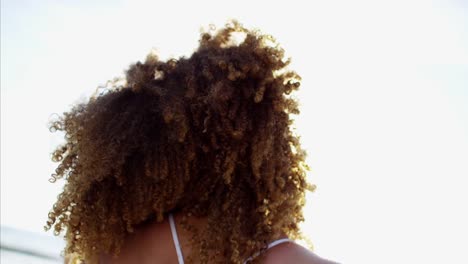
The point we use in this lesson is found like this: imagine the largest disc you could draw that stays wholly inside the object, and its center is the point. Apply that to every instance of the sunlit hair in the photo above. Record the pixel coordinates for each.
(208, 136)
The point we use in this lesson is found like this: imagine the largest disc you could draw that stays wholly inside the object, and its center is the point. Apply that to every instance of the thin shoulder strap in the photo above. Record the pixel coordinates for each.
(272, 244)
(175, 238)
(279, 241)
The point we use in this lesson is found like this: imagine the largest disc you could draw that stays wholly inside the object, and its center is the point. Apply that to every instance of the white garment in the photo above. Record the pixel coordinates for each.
(180, 257)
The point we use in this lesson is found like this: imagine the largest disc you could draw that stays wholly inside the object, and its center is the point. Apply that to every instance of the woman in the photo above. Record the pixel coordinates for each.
(192, 160)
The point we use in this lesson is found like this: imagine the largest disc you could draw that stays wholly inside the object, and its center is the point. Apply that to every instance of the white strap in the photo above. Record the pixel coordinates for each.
(180, 258)
(279, 241)
(272, 244)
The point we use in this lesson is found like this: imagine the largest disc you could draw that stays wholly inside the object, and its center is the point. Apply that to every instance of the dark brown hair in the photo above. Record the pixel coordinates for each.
(209, 135)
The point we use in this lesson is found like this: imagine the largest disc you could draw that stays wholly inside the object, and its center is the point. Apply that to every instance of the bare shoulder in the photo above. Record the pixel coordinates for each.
(293, 253)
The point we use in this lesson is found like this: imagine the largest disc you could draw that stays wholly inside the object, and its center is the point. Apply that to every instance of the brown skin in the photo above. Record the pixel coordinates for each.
(207, 136)
(153, 244)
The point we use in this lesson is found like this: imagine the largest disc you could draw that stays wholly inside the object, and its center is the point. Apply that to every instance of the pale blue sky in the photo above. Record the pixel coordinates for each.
(384, 107)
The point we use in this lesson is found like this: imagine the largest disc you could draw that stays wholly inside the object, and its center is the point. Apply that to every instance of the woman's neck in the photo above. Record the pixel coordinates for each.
(154, 241)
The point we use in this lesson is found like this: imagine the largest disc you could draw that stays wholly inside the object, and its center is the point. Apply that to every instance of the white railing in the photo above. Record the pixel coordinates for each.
(20, 246)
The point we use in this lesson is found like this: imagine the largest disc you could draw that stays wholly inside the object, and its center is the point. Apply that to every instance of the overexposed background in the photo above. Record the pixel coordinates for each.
(384, 104)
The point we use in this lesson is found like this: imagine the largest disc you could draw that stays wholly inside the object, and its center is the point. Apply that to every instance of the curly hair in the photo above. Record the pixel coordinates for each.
(207, 136)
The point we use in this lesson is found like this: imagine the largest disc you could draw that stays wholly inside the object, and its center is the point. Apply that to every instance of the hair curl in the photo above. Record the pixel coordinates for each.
(209, 135)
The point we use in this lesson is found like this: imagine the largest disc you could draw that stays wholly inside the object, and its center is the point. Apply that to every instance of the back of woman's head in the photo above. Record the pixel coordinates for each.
(207, 136)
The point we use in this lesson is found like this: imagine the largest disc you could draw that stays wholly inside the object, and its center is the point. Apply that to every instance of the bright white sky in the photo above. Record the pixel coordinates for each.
(384, 107)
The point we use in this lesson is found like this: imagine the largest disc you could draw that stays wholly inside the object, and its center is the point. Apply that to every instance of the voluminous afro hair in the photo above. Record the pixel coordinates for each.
(208, 136)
